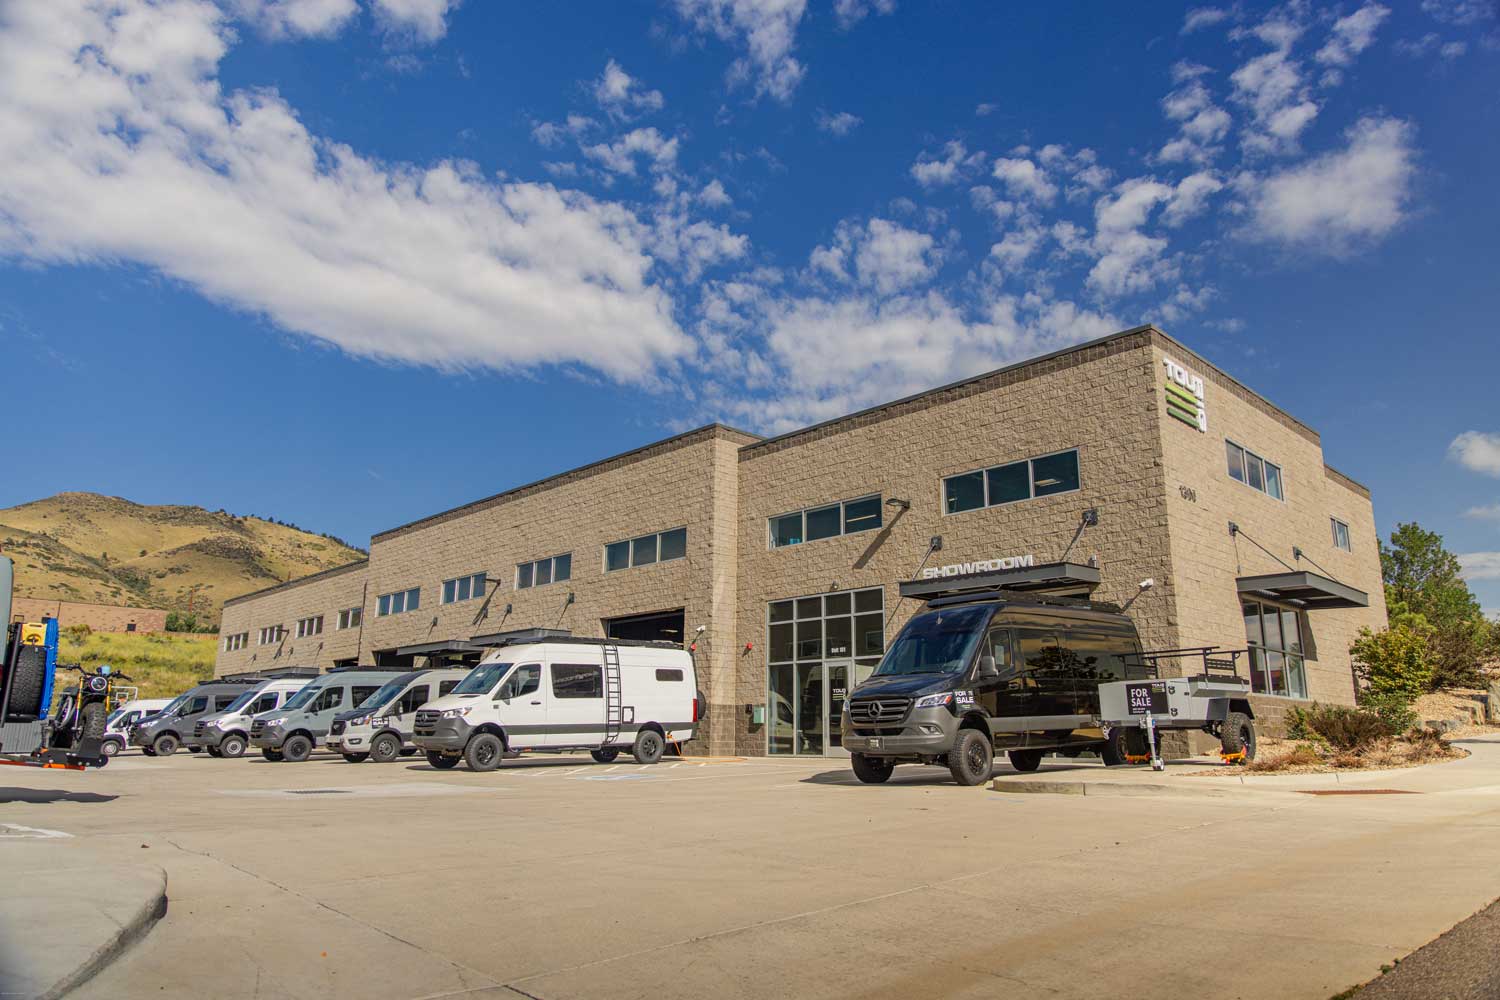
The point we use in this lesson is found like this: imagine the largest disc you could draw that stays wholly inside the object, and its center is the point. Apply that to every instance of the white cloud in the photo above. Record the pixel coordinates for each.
(985, 110)
(713, 194)
(851, 12)
(1489, 512)
(1272, 88)
(1477, 452)
(839, 124)
(882, 256)
(1203, 17)
(621, 95)
(766, 29)
(1201, 123)
(1024, 179)
(620, 155)
(1459, 12)
(122, 147)
(1340, 199)
(295, 18)
(1129, 261)
(1191, 197)
(1480, 565)
(1013, 250)
(934, 171)
(424, 20)
(1452, 50)
(1351, 35)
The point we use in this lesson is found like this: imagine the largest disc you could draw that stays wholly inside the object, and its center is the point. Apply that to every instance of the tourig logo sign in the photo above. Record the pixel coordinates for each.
(978, 566)
(1185, 396)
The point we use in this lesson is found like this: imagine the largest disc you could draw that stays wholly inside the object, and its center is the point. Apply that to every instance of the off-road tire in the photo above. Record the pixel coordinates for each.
(111, 747)
(1124, 741)
(385, 748)
(972, 757)
(296, 748)
(649, 746)
(26, 681)
(95, 720)
(871, 770)
(214, 751)
(271, 755)
(232, 746)
(356, 758)
(441, 761)
(1238, 733)
(164, 745)
(1025, 760)
(606, 756)
(149, 751)
(484, 752)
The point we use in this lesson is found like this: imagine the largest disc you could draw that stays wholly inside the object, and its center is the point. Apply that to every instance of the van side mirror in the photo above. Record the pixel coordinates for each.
(987, 667)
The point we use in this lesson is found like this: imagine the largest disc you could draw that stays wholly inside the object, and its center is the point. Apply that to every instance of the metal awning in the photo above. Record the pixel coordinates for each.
(480, 642)
(1060, 576)
(1308, 591)
(441, 648)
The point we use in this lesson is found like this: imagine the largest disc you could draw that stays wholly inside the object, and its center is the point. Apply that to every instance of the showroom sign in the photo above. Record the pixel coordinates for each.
(1185, 396)
(978, 566)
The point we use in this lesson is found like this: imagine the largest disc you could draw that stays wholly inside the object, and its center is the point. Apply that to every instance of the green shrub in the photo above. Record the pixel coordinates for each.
(1394, 661)
(1347, 728)
(1297, 726)
(1394, 708)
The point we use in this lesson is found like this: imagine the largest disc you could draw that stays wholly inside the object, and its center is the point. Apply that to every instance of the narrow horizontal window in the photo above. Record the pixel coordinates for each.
(1046, 475)
(1258, 473)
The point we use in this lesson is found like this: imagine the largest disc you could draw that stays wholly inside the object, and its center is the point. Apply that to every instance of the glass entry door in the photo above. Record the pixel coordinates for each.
(820, 648)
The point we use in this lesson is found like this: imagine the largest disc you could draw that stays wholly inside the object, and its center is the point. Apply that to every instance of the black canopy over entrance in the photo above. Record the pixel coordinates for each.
(1055, 578)
(1307, 591)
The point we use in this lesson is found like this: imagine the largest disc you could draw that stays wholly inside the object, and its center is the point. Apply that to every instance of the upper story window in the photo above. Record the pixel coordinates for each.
(351, 618)
(309, 626)
(1341, 535)
(463, 588)
(1254, 471)
(541, 572)
(396, 603)
(271, 634)
(843, 518)
(1001, 484)
(645, 550)
(238, 640)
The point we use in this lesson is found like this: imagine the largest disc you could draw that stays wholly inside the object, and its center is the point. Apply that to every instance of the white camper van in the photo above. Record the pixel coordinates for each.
(602, 695)
(117, 728)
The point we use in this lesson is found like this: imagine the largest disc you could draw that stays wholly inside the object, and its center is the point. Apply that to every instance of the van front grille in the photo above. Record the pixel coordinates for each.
(337, 728)
(427, 719)
(198, 729)
(878, 711)
(257, 728)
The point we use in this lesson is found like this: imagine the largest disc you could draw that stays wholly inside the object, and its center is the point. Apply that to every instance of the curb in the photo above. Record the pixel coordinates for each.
(1109, 788)
(133, 929)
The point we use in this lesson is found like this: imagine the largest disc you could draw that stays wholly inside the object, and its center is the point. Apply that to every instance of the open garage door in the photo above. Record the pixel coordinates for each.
(659, 626)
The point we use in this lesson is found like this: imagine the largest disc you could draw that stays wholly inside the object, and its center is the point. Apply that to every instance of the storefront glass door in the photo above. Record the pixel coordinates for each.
(820, 648)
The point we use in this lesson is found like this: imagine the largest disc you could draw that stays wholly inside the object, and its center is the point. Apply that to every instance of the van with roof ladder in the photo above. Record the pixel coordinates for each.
(117, 726)
(160, 735)
(380, 727)
(227, 733)
(291, 732)
(561, 694)
(976, 674)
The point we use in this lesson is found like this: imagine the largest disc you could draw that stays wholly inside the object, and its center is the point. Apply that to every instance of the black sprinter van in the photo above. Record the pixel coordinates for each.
(973, 674)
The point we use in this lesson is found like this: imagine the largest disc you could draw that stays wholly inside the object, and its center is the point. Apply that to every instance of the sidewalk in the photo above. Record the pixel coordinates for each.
(60, 924)
(1477, 774)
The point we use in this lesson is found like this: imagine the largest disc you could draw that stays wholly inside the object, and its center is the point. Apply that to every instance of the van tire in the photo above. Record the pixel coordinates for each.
(1237, 734)
(441, 761)
(111, 747)
(193, 749)
(356, 758)
(649, 746)
(149, 751)
(214, 751)
(605, 756)
(409, 751)
(484, 752)
(271, 755)
(1025, 760)
(972, 757)
(232, 746)
(296, 749)
(385, 748)
(164, 745)
(871, 770)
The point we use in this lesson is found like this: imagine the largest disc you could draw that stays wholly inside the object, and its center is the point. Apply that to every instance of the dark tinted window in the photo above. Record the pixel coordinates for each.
(577, 680)
(860, 515)
(823, 523)
(617, 556)
(444, 687)
(363, 691)
(1009, 483)
(1055, 473)
(673, 544)
(965, 492)
(1096, 658)
(331, 698)
(414, 698)
(195, 706)
(264, 703)
(786, 530)
(223, 701)
(562, 568)
(668, 675)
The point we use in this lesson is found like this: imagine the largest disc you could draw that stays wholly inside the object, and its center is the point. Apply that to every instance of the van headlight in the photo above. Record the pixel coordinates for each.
(276, 722)
(456, 713)
(935, 700)
(363, 720)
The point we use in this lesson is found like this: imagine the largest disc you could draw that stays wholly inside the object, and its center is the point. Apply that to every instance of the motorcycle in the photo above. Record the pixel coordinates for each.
(76, 729)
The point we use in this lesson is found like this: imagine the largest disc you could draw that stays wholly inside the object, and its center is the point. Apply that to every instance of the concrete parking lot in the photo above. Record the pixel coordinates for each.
(559, 877)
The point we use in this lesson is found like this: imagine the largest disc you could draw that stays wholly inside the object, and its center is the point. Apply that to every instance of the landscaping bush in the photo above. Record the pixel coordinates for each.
(1297, 727)
(1394, 708)
(1345, 728)
(1301, 755)
(1394, 661)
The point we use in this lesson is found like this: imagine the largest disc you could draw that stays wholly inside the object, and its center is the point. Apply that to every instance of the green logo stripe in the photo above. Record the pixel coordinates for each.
(1177, 391)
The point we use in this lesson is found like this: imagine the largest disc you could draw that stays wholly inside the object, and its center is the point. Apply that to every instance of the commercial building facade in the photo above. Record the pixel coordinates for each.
(780, 561)
(99, 617)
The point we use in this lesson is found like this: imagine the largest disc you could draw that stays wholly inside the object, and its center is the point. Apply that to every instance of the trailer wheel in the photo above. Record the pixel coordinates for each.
(1238, 734)
(484, 752)
(232, 745)
(1116, 746)
(1025, 760)
(649, 746)
(385, 748)
(871, 770)
(296, 749)
(164, 745)
(606, 755)
(972, 757)
(441, 761)
(271, 755)
(356, 758)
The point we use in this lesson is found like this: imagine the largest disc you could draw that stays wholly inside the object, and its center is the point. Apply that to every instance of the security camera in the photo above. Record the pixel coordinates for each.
(1147, 584)
(701, 628)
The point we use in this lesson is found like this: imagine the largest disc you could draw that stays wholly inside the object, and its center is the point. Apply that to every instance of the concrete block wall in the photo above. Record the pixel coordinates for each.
(325, 594)
(99, 617)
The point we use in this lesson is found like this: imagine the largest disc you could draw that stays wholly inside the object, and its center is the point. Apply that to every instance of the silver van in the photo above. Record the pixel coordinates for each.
(227, 733)
(380, 727)
(293, 730)
(160, 735)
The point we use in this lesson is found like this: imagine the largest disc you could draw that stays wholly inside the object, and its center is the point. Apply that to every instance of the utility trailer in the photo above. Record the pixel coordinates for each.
(1216, 700)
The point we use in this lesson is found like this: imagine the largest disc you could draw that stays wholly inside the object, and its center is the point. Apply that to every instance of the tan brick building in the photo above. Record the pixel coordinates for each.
(99, 617)
(1087, 471)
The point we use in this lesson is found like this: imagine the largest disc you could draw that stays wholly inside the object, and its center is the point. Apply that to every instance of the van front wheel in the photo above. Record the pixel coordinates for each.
(484, 752)
(165, 745)
(971, 758)
(385, 749)
(232, 746)
(296, 749)
(871, 770)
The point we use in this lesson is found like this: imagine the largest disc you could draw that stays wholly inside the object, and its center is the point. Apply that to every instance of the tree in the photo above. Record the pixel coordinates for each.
(1424, 579)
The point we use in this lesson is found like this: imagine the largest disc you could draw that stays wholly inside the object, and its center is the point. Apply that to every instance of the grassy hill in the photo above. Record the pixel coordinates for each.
(160, 665)
(87, 547)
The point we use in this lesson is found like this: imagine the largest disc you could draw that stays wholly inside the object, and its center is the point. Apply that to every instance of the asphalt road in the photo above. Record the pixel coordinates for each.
(561, 878)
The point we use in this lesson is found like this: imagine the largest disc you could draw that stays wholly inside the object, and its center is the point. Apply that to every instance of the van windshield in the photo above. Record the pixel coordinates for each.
(384, 694)
(243, 700)
(482, 678)
(937, 642)
(114, 717)
(302, 697)
(175, 704)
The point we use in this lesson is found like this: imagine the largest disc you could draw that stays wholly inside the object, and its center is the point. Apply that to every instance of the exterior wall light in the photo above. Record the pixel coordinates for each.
(899, 503)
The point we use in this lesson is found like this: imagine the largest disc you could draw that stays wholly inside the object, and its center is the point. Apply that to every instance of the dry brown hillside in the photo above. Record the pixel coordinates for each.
(87, 547)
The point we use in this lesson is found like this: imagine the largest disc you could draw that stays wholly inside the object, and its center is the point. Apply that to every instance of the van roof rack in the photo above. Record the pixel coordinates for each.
(1025, 597)
(581, 640)
(274, 674)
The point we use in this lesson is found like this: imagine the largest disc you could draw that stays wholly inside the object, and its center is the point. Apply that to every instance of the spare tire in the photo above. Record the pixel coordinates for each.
(27, 678)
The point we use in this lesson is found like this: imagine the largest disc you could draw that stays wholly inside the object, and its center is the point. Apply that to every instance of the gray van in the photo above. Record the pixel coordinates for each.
(160, 735)
(293, 730)
(380, 727)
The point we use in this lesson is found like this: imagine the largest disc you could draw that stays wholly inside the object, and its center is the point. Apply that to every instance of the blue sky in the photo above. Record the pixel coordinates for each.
(349, 262)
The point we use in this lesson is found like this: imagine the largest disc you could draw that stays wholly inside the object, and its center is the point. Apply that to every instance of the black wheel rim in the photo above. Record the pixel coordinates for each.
(484, 753)
(976, 757)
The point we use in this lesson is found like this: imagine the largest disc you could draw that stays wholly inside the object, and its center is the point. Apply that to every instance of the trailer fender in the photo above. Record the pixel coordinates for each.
(1241, 705)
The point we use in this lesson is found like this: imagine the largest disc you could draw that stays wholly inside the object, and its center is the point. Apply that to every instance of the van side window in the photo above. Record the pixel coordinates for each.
(668, 675)
(264, 703)
(997, 644)
(525, 680)
(363, 691)
(577, 680)
(195, 706)
(1097, 656)
(223, 701)
(414, 698)
(444, 687)
(331, 698)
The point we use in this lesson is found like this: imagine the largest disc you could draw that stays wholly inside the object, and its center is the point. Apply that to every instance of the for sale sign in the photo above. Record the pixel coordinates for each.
(1147, 698)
